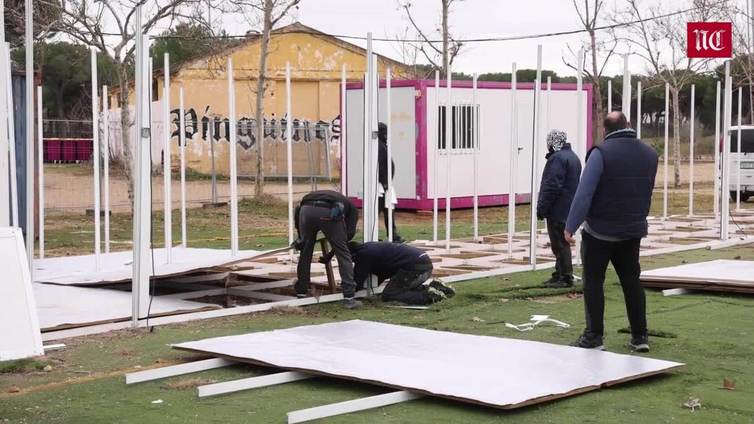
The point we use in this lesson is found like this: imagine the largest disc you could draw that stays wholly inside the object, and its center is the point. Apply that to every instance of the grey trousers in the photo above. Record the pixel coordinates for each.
(312, 220)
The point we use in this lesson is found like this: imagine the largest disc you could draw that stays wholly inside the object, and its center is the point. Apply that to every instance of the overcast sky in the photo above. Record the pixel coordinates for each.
(469, 19)
(472, 19)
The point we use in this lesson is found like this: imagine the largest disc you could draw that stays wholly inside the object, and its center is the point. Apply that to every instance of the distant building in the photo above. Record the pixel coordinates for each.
(316, 61)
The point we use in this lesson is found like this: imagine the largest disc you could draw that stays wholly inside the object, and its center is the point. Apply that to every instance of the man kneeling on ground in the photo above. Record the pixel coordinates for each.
(407, 268)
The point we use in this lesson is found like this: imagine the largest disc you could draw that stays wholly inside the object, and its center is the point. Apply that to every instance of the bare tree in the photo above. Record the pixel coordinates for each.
(660, 38)
(589, 14)
(742, 70)
(440, 57)
(109, 27)
(272, 12)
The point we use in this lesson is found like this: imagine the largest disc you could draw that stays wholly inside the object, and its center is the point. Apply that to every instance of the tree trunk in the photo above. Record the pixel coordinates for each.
(261, 79)
(676, 137)
(597, 110)
(445, 56)
(125, 133)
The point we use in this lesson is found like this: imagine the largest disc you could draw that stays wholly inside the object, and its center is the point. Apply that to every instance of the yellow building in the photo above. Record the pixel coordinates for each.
(316, 61)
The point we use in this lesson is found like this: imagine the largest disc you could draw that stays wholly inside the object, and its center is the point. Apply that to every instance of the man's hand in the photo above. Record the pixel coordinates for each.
(569, 237)
(540, 216)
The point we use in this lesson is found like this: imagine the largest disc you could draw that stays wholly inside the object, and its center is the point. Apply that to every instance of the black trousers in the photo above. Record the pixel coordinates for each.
(312, 220)
(383, 210)
(561, 249)
(405, 286)
(624, 255)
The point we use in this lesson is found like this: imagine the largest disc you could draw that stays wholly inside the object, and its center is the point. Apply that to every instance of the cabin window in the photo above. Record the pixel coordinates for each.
(463, 127)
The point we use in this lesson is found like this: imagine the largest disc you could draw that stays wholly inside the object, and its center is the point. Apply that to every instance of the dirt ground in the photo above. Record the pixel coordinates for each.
(69, 187)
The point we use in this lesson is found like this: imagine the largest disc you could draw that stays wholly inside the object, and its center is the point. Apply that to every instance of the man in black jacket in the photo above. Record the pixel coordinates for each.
(382, 175)
(333, 214)
(407, 268)
(612, 202)
(559, 182)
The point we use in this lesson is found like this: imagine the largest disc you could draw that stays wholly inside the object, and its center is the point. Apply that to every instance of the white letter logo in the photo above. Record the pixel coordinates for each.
(709, 40)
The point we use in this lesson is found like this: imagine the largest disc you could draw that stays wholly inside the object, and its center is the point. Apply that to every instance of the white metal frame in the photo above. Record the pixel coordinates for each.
(355, 405)
(716, 196)
(609, 96)
(389, 122)
(106, 164)
(725, 184)
(513, 162)
(435, 184)
(535, 161)
(41, 173)
(5, 130)
(691, 150)
(95, 160)
(289, 150)
(226, 387)
(167, 168)
(182, 138)
(11, 139)
(343, 159)
(448, 151)
(175, 370)
(665, 154)
(738, 151)
(233, 148)
(626, 107)
(475, 146)
(29, 50)
(637, 124)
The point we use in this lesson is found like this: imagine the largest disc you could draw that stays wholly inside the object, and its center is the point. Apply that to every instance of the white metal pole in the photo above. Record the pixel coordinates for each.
(737, 163)
(665, 154)
(725, 183)
(233, 146)
(548, 124)
(182, 140)
(40, 171)
(637, 124)
(436, 164)
(691, 151)
(581, 147)
(626, 90)
(106, 164)
(389, 193)
(95, 159)
(142, 204)
(343, 147)
(6, 112)
(29, 46)
(167, 167)
(367, 147)
(535, 161)
(11, 140)
(716, 144)
(375, 152)
(609, 96)
(475, 146)
(448, 151)
(513, 163)
(289, 148)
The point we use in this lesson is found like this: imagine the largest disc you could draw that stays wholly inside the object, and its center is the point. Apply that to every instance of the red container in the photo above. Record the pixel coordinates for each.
(83, 150)
(53, 150)
(69, 150)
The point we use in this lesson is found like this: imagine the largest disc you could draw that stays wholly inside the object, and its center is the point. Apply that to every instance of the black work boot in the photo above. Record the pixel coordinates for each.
(559, 283)
(639, 344)
(351, 303)
(589, 341)
(445, 289)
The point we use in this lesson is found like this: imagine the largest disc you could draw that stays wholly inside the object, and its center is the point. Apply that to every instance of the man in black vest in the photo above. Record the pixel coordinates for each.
(333, 214)
(408, 269)
(613, 201)
(559, 181)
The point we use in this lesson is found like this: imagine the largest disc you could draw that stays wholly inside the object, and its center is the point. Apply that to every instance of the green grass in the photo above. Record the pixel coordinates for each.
(713, 336)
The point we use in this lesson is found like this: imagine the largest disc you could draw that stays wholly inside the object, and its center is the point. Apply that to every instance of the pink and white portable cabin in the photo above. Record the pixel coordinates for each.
(415, 136)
